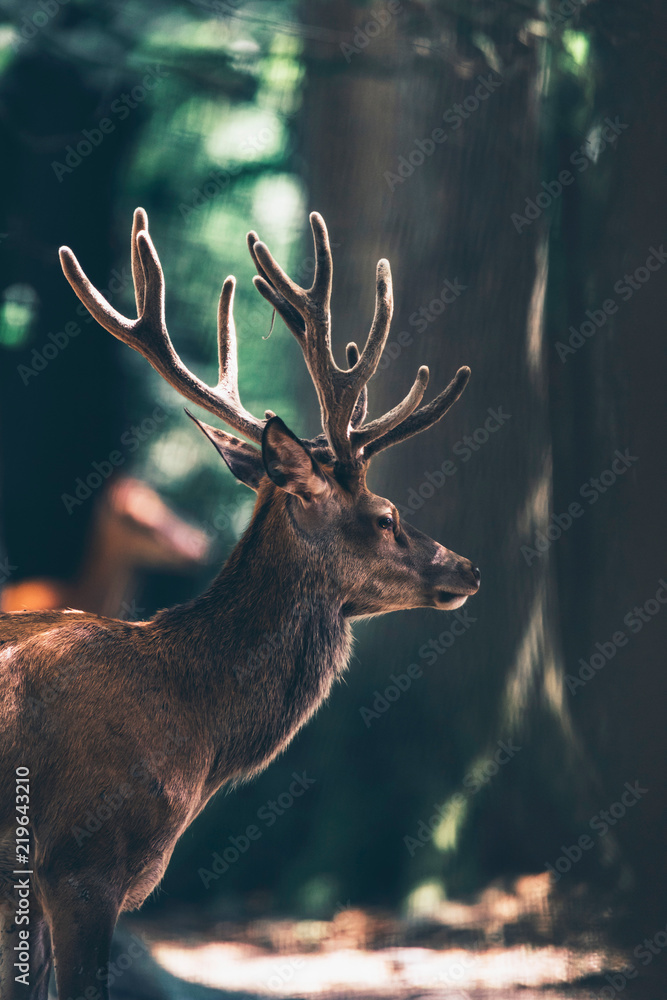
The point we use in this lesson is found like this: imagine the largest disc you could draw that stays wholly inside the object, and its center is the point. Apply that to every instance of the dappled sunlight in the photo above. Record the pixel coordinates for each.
(264, 732)
(446, 834)
(535, 324)
(529, 656)
(390, 972)
(499, 942)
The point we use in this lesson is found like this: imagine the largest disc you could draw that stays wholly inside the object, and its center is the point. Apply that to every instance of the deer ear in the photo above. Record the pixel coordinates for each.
(289, 465)
(243, 461)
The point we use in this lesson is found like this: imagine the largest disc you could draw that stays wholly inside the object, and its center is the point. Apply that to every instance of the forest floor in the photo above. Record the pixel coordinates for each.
(501, 946)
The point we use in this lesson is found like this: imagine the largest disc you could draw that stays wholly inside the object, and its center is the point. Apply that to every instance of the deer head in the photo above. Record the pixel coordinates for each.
(315, 488)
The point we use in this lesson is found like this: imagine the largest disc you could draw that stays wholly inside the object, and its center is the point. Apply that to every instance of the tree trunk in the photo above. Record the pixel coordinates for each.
(469, 289)
(622, 710)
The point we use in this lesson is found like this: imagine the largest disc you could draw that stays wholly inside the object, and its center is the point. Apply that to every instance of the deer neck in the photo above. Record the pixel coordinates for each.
(269, 638)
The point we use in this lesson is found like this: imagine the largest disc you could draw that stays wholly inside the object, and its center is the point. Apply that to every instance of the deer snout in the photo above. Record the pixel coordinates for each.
(458, 579)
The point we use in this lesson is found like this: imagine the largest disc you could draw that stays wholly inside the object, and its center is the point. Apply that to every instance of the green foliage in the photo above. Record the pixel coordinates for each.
(211, 160)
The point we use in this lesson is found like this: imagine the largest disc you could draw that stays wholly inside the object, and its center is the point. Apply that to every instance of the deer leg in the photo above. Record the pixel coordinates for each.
(81, 932)
(40, 961)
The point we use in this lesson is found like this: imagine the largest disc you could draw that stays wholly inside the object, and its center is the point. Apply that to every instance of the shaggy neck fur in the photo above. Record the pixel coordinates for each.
(265, 641)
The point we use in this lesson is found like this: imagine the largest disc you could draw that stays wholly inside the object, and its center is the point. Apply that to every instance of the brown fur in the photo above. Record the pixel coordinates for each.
(129, 728)
(163, 712)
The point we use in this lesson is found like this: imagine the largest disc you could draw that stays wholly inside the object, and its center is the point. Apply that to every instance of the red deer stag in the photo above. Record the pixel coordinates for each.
(159, 714)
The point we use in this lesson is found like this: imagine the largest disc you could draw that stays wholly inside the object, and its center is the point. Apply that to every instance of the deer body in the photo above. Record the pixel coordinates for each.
(194, 704)
(129, 728)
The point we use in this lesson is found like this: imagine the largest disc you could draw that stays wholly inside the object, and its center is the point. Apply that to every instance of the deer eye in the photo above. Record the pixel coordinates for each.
(386, 522)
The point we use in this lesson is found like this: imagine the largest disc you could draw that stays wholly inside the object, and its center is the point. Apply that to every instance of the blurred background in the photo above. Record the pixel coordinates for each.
(510, 160)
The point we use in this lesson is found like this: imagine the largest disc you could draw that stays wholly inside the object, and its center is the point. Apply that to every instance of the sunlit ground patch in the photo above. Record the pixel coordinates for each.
(390, 972)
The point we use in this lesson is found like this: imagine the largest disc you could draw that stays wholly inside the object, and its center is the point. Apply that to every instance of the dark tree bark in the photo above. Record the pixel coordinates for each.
(441, 212)
(622, 710)
(60, 403)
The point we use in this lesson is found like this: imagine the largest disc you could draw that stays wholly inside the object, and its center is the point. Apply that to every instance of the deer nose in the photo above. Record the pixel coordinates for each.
(475, 570)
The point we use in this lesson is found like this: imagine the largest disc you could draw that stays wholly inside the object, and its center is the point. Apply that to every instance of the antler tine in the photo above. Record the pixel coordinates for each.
(306, 313)
(96, 304)
(361, 405)
(292, 318)
(425, 417)
(139, 223)
(319, 293)
(275, 276)
(148, 333)
(228, 368)
(320, 290)
(377, 338)
(363, 436)
(343, 394)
